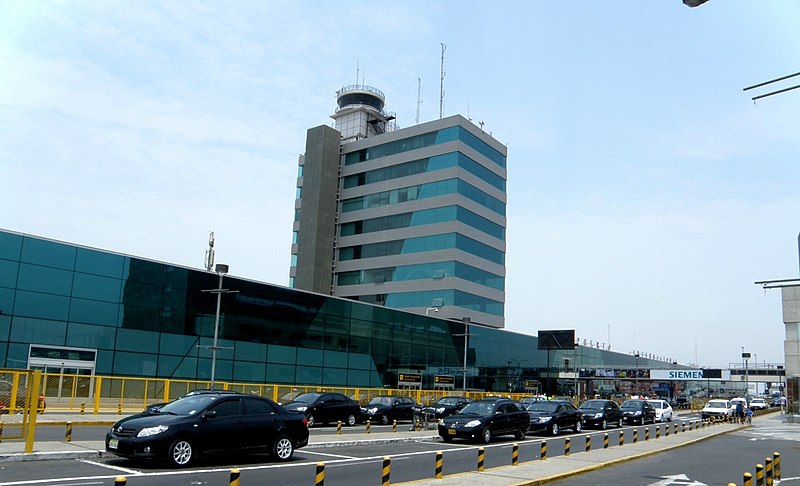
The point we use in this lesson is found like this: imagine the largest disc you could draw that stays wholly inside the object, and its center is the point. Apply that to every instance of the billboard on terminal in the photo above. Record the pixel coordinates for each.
(557, 339)
(690, 375)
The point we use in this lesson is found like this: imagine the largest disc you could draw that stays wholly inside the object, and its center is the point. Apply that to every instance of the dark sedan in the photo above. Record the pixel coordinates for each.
(443, 407)
(385, 409)
(600, 413)
(483, 419)
(638, 412)
(553, 415)
(325, 407)
(184, 429)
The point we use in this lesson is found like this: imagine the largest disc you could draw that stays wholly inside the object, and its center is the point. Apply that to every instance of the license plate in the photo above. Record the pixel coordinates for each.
(113, 443)
(451, 431)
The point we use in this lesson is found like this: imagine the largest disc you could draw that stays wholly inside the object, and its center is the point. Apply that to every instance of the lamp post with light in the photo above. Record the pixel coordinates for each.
(221, 270)
(745, 357)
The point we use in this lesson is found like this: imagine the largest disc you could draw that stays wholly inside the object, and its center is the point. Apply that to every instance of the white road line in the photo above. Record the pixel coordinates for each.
(109, 466)
(328, 455)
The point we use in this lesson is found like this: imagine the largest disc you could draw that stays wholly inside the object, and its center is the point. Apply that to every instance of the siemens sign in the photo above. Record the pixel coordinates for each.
(689, 375)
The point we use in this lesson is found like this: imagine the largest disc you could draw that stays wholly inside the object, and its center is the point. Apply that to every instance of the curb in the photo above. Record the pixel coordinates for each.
(357, 442)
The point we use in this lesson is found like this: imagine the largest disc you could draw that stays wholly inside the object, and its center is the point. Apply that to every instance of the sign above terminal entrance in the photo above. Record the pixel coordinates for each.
(689, 375)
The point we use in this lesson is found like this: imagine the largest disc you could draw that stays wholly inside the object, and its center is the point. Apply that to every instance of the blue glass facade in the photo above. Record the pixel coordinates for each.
(426, 216)
(423, 243)
(422, 271)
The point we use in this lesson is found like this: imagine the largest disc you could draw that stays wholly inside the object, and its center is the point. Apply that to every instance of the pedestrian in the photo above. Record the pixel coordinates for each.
(749, 414)
(740, 412)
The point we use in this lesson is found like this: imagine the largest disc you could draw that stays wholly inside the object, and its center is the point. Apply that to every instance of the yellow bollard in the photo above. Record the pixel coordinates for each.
(759, 475)
(658, 431)
(83, 408)
(319, 476)
(776, 465)
(605, 440)
(647, 433)
(437, 474)
(481, 458)
(339, 427)
(120, 481)
(621, 437)
(119, 408)
(635, 435)
(588, 443)
(768, 470)
(369, 426)
(747, 479)
(683, 426)
(666, 430)
(234, 480)
(543, 453)
(566, 446)
(387, 470)
(676, 428)
(394, 426)
(514, 454)
(68, 433)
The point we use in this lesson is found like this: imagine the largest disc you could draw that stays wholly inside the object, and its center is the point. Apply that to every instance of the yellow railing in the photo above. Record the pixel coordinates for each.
(100, 394)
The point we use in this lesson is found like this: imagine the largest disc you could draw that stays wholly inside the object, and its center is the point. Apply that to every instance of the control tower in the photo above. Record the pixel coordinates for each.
(360, 113)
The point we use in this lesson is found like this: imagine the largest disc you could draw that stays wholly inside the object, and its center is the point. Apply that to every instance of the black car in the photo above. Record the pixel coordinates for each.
(443, 407)
(184, 429)
(483, 419)
(155, 407)
(553, 415)
(638, 412)
(384, 409)
(325, 407)
(600, 413)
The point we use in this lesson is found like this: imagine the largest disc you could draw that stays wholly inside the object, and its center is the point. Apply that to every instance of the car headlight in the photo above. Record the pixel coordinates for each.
(301, 409)
(440, 410)
(638, 412)
(472, 423)
(544, 419)
(148, 431)
(372, 410)
(598, 415)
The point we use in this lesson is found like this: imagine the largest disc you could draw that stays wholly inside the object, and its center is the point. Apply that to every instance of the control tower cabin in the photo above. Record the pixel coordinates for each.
(410, 218)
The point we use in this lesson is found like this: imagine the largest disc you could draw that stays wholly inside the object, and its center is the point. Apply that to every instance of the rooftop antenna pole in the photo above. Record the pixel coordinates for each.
(358, 71)
(441, 83)
(210, 252)
(419, 97)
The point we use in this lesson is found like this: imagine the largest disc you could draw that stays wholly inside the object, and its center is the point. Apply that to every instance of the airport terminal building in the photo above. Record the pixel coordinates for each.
(73, 309)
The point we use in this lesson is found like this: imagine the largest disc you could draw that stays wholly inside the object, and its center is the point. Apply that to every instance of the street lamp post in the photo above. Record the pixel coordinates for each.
(636, 381)
(466, 321)
(221, 270)
(745, 357)
(431, 309)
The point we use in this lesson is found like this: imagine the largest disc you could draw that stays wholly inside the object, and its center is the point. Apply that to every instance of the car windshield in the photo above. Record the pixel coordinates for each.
(546, 407)
(593, 405)
(656, 403)
(381, 401)
(757, 400)
(306, 397)
(447, 401)
(632, 405)
(713, 404)
(478, 408)
(189, 405)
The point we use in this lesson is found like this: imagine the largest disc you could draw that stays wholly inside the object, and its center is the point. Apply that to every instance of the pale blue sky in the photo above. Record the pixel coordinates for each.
(646, 191)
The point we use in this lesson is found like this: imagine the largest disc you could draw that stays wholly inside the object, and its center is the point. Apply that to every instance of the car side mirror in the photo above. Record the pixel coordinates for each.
(210, 415)
(498, 412)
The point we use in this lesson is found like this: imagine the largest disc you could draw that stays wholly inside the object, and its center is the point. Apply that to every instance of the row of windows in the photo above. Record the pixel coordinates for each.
(423, 244)
(421, 166)
(37, 278)
(424, 191)
(435, 298)
(422, 271)
(424, 217)
(426, 140)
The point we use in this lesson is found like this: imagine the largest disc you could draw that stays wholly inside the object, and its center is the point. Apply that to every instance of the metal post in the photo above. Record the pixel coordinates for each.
(216, 326)
(466, 321)
(481, 458)
(437, 474)
(319, 476)
(386, 471)
(514, 454)
(234, 477)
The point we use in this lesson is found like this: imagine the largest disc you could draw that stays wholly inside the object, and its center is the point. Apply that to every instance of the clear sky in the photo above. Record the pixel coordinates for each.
(646, 192)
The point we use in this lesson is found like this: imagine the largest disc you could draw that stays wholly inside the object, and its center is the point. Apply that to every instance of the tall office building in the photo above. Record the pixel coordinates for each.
(411, 218)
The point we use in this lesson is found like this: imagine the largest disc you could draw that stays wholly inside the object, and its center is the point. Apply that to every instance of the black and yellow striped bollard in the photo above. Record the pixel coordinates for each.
(386, 471)
(635, 435)
(676, 428)
(83, 408)
(68, 433)
(658, 431)
(234, 480)
(543, 452)
(339, 427)
(666, 430)
(683, 426)
(437, 473)
(647, 433)
(369, 426)
(605, 440)
(394, 425)
(120, 481)
(768, 471)
(747, 479)
(119, 408)
(776, 464)
(588, 443)
(759, 475)
(621, 437)
(514, 454)
(481, 458)
(319, 476)
(566, 446)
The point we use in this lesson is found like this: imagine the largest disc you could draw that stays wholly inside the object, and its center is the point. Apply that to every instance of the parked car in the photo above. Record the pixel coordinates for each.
(483, 419)
(188, 427)
(384, 409)
(638, 412)
(758, 404)
(717, 408)
(599, 413)
(553, 415)
(663, 410)
(680, 402)
(778, 402)
(325, 407)
(443, 407)
(528, 400)
(6, 388)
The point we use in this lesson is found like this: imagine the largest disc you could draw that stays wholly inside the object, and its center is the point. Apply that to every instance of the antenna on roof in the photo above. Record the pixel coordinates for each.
(419, 97)
(210, 252)
(441, 83)
(357, 71)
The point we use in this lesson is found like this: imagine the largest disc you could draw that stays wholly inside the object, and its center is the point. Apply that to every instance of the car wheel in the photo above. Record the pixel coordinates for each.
(384, 419)
(351, 420)
(603, 424)
(486, 435)
(311, 420)
(578, 427)
(180, 453)
(283, 448)
(554, 429)
(520, 434)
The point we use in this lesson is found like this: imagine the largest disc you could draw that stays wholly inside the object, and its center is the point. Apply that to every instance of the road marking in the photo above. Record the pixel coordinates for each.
(109, 466)
(680, 479)
(328, 455)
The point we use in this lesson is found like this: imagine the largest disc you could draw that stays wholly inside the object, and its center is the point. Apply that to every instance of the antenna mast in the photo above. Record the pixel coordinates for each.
(441, 83)
(210, 252)
(419, 97)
